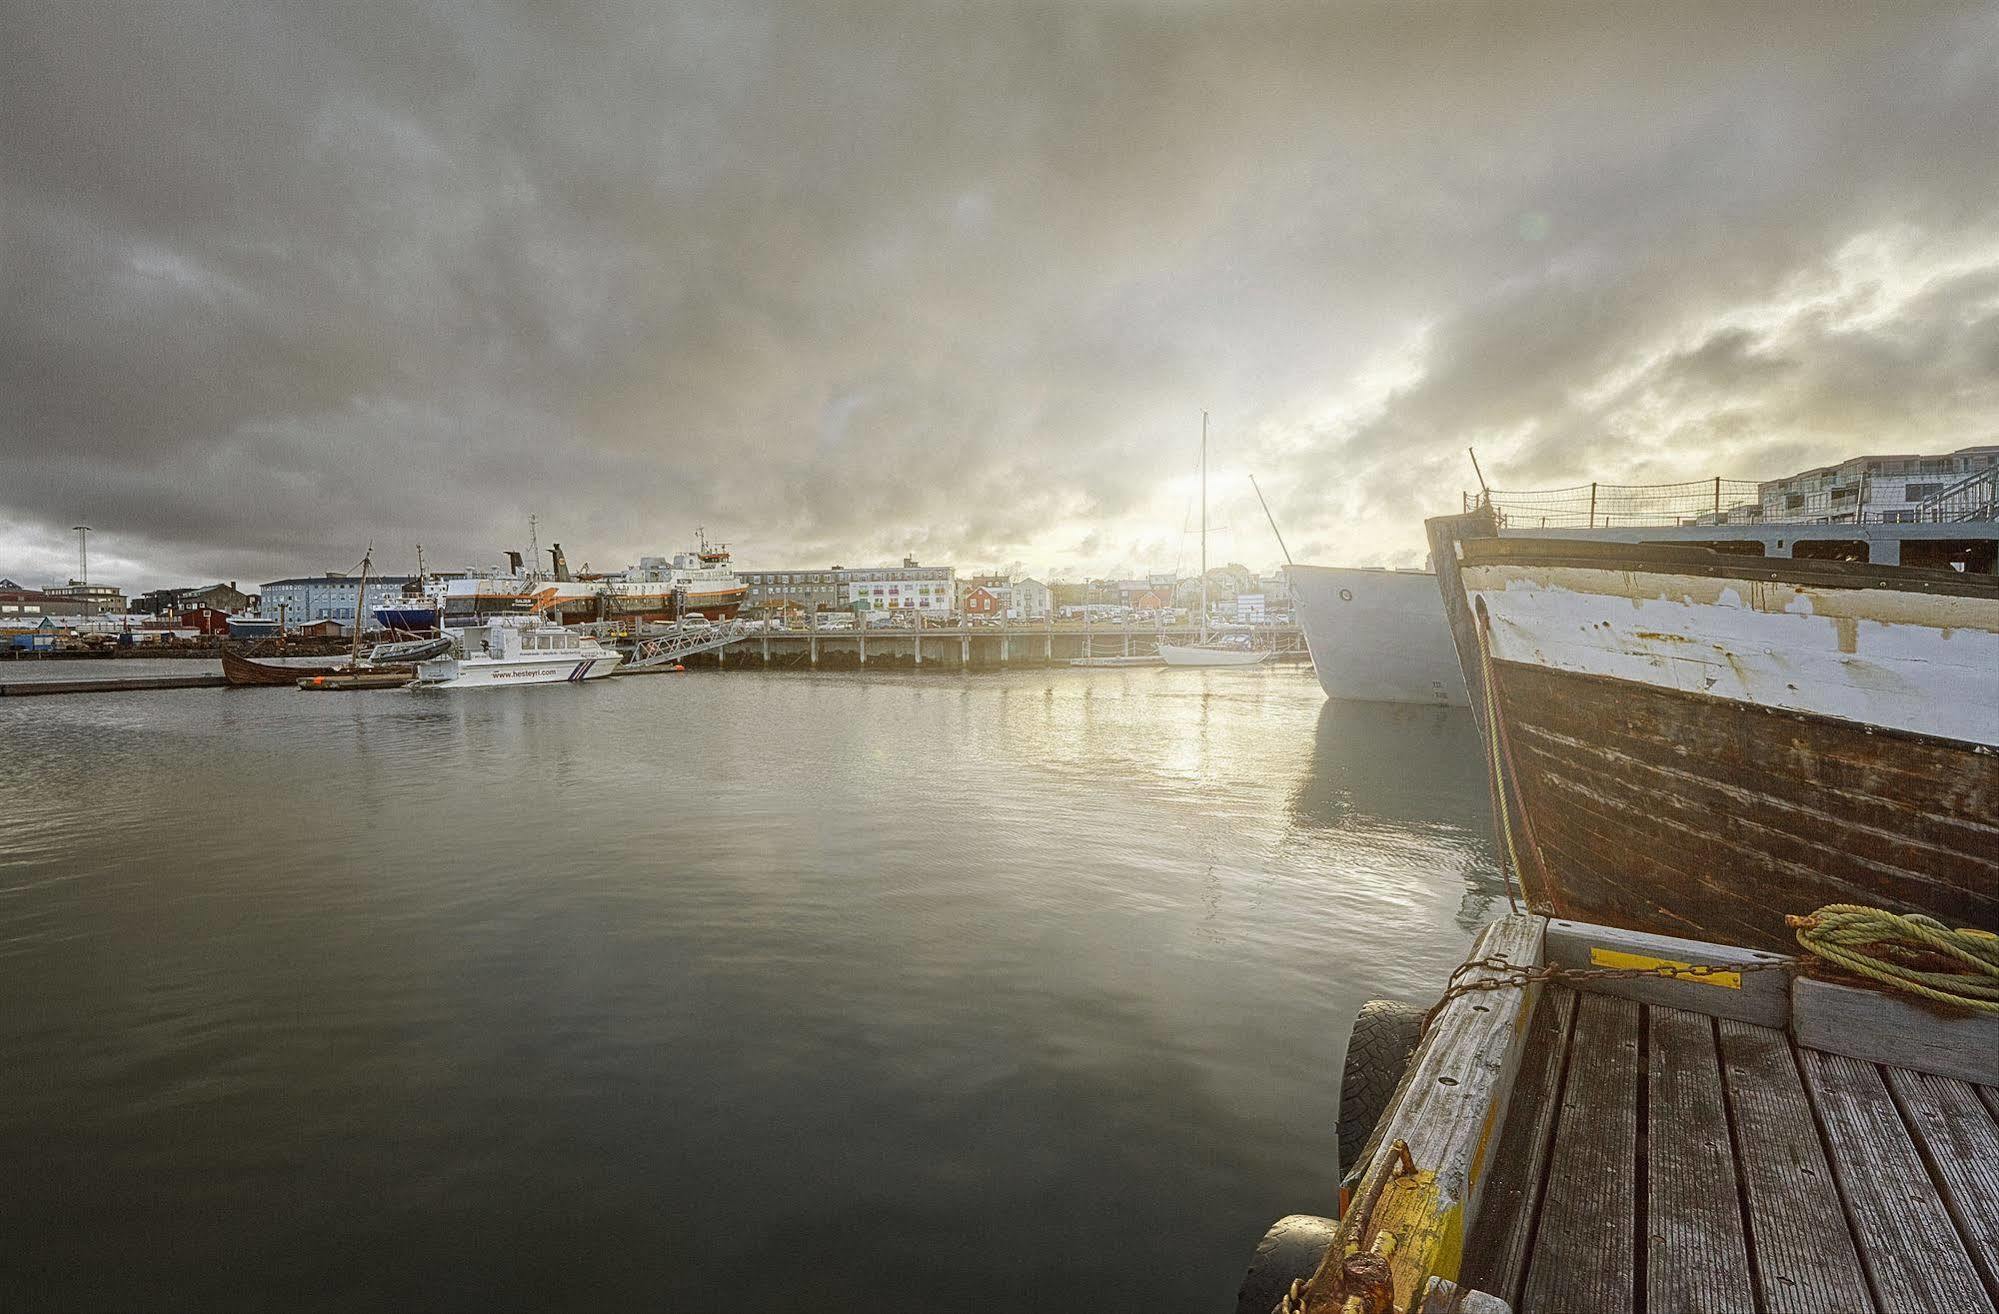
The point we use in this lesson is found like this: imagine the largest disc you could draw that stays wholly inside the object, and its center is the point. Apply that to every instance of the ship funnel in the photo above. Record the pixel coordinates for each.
(558, 563)
(514, 562)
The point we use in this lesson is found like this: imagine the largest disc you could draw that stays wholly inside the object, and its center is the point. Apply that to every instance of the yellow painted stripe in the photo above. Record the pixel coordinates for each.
(1618, 958)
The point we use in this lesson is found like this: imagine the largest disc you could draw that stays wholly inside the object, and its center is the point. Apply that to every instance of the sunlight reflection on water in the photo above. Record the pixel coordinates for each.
(1004, 987)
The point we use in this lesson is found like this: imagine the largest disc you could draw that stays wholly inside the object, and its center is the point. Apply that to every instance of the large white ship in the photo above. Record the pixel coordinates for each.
(516, 650)
(1377, 636)
(698, 582)
(701, 582)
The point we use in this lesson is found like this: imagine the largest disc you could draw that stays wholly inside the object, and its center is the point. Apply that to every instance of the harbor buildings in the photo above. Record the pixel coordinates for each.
(330, 596)
(89, 599)
(908, 586)
(1881, 489)
(21, 604)
(216, 597)
(1031, 601)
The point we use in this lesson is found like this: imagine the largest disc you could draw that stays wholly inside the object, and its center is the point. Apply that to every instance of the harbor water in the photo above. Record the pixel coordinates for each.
(892, 991)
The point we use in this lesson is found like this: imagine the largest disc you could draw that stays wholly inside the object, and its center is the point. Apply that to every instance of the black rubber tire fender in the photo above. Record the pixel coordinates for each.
(1385, 1036)
(1292, 1248)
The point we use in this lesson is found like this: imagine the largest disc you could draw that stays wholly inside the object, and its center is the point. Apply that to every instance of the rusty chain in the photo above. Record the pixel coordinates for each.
(1513, 976)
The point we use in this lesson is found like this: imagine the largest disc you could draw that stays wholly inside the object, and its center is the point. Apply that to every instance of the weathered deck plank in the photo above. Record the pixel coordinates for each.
(1450, 1110)
(1497, 1262)
(1757, 994)
(1800, 1249)
(1696, 1260)
(1584, 1255)
(1863, 1022)
(1908, 1242)
(1959, 1139)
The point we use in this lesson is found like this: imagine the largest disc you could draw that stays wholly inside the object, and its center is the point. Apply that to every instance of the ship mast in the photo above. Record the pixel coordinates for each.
(360, 610)
(1204, 526)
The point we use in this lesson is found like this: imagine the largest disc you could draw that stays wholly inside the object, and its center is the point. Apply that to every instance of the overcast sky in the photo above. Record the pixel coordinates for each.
(841, 281)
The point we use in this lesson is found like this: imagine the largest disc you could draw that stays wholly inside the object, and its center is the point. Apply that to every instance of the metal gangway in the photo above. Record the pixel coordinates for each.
(679, 643)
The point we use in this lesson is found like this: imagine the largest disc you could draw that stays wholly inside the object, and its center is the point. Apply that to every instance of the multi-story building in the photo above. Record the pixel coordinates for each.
(1031, 601)
(868, 588)
(330, 597)
(790, 590)
(1877, 489)
(910, 586)
(217, 597)
(26, 606)
(89, 599)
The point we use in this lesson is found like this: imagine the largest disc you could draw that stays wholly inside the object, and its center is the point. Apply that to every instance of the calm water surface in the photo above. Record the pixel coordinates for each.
(1002, 992)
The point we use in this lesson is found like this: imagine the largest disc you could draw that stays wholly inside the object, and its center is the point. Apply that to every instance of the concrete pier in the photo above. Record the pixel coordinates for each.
(121, 684)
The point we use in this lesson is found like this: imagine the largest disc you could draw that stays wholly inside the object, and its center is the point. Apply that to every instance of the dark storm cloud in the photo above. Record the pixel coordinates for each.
(844, 280)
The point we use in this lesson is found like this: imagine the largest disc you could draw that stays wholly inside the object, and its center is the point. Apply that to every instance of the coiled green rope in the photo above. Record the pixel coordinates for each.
(1875, 943)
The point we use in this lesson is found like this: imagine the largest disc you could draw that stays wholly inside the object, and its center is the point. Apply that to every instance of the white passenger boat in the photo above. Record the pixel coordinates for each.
(517, 650)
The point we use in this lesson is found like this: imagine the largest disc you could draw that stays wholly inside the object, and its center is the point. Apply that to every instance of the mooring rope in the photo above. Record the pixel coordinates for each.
(1497, 777)
(1878, 944)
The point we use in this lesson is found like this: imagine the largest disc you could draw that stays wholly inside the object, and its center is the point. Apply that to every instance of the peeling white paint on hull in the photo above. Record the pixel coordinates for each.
(1896, 659)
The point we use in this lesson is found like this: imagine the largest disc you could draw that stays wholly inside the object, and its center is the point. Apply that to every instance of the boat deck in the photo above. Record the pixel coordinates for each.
(1655, 1159)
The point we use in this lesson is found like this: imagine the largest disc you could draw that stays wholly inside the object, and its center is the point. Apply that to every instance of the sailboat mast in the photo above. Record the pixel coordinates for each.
(360, 609)
(1204, 526)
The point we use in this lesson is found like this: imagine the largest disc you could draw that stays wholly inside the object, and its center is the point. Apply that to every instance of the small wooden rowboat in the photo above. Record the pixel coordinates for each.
(381, 677)
(241, 670)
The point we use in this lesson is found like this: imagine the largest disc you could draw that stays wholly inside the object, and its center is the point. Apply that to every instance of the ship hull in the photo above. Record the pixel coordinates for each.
(671, 606)
(571, 668)
(408, 620)
(1188, 655)
(1696, 748)
(1377, 636)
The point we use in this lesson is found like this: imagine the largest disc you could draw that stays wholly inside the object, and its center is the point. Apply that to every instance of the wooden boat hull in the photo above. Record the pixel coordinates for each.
(1696, 746)
(387, 677)
(241, 670)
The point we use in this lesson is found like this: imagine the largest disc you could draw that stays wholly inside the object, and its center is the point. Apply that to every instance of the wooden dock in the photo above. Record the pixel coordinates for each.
(119, 684)
(1752, 1138)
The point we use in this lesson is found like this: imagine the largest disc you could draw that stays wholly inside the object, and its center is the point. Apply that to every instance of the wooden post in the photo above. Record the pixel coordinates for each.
(812, 642)
(1717, 499)
(1592, 504)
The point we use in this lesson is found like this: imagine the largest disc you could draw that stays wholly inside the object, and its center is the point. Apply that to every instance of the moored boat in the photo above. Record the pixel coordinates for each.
(1212, 652)
(511, 650)
(242, 670)
(1693, 743)
(1377, 635)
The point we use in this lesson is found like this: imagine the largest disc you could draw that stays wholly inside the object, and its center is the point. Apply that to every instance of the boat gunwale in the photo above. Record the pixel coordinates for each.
(1673, 559)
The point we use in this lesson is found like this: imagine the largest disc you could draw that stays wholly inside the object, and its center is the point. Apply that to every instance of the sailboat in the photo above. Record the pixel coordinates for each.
(1207, 650)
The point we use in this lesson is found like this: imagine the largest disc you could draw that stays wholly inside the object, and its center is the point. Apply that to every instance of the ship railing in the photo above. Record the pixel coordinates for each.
(1974, 497)
(1723, 502)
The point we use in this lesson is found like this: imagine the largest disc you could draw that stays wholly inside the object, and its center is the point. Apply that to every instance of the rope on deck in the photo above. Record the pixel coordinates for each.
(1904, 951)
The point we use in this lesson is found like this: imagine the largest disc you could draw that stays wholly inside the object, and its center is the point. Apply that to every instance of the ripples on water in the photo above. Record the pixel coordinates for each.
(906, 991)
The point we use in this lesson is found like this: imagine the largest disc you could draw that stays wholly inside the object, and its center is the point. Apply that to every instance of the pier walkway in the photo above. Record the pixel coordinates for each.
(1599, 1121)
(747, 643)
(1661, 1159)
